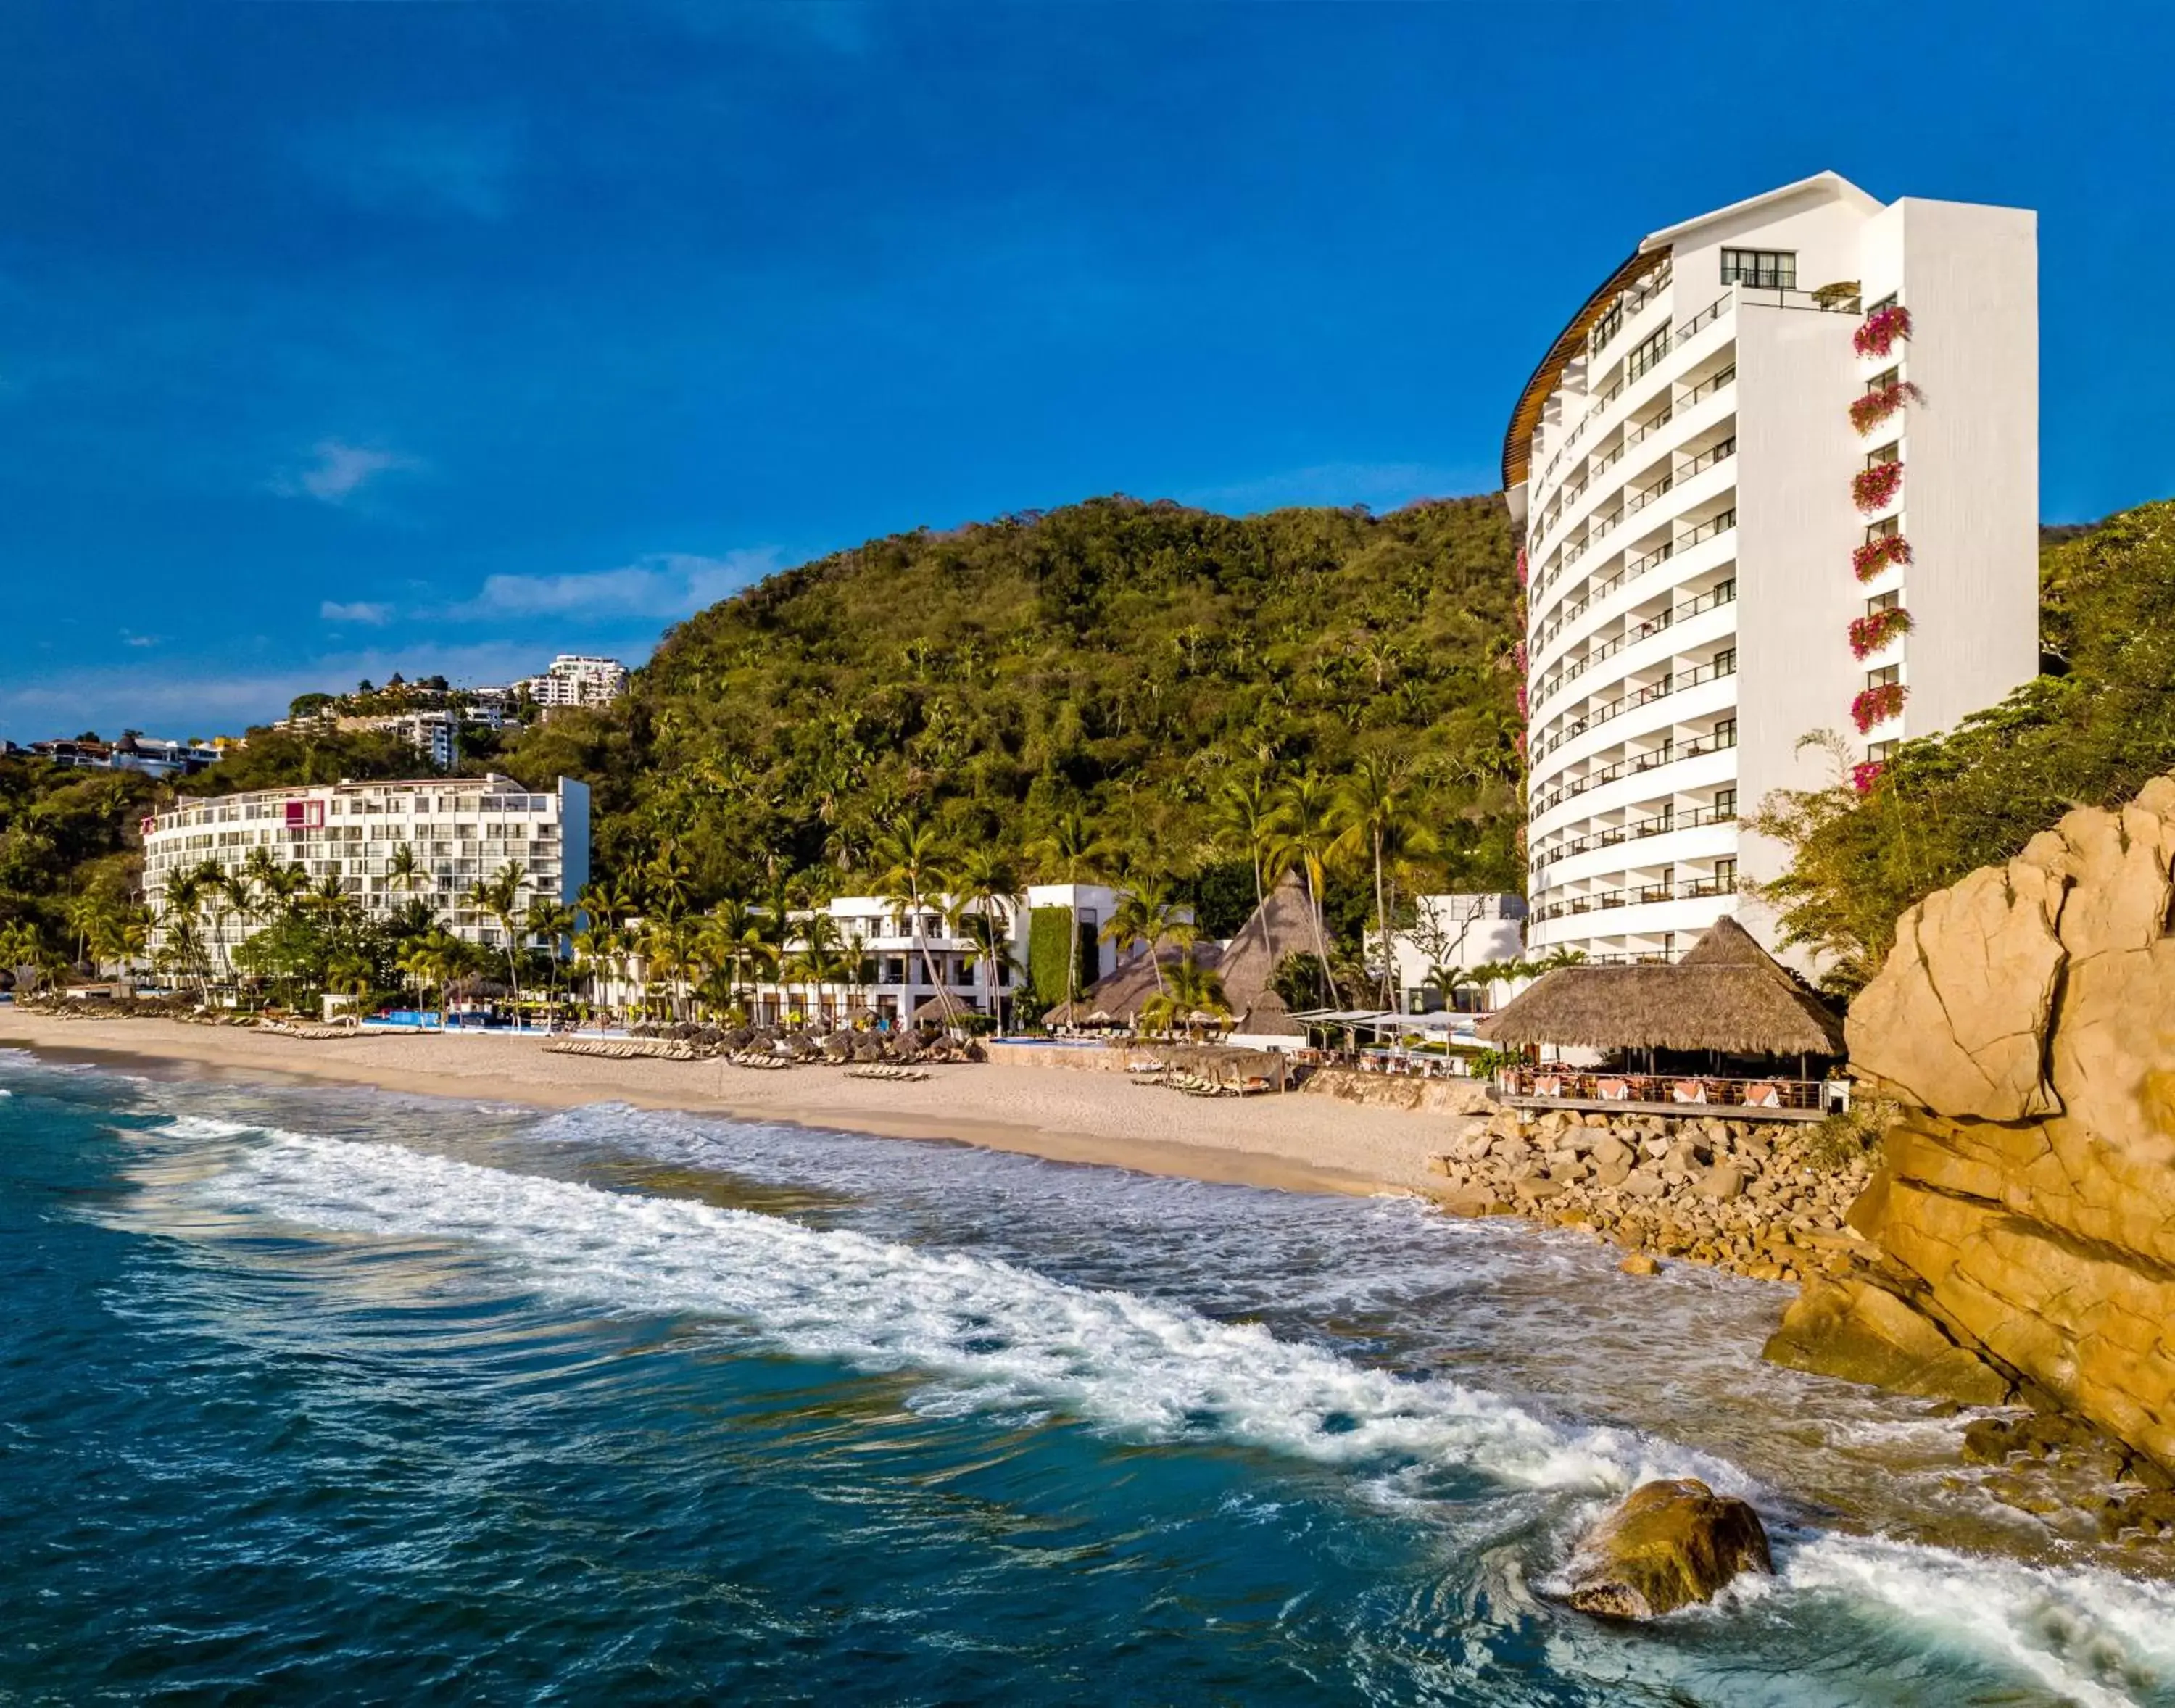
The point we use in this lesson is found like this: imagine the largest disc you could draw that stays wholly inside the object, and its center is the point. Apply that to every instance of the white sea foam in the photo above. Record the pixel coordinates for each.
(992, 1335)
(989, 1335)
(206, 1127)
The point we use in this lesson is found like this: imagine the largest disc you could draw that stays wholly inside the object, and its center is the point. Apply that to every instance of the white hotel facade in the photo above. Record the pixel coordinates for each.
(461, 829)
(1725, 550)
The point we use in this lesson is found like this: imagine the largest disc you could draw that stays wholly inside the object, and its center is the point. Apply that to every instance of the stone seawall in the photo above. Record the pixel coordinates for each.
(1756, 1198)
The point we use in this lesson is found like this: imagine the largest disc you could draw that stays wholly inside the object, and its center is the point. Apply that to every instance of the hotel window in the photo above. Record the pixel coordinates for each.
(1606, 328)
(1886, 528)
(1725, 661)
(1771, 269)
(1880, 751)
(1725, 803)
(1886, 676)
(1725, 872)
(1881, 381)
(1892, 452)
(1882, 602)
(1649, 351)
(1725, 732)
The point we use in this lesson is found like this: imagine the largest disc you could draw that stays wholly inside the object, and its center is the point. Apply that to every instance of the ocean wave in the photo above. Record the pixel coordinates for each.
(988, 1335)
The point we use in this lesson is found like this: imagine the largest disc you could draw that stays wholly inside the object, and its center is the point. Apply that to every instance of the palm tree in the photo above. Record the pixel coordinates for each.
(1303, 814)
(735, 938)
(428, 964)
(597, 948)
(1246, 819)
(820, 959)
(500, 896)
(1374, 811)
(668, 878)
(1194, 989)
(1148, 914)
(554, 922)
(910, 855)
(983, 888)
(282, 886)
(1070, 847)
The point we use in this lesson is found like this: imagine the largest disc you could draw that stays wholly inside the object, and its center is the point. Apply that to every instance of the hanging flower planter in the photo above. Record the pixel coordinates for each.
(1877, 333)
(1869, 411)
(1521, 564)
(1865, 773)
(1869, 559)
(1877, 705)
(1875, 488)
(1869, 634)
(1521, 702)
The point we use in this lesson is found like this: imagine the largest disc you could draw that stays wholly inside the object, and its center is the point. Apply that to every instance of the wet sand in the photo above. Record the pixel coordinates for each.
(1294, 1143)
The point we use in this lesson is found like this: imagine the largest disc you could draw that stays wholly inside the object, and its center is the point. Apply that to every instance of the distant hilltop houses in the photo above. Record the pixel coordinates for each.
(429, 715)
(132, 752)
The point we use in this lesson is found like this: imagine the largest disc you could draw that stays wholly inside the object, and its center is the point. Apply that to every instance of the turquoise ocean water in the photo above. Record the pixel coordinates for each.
(322, 1395)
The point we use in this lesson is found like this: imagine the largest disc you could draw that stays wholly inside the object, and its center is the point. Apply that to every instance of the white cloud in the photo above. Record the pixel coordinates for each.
(340, 471)
(129, 638)
(360, 611)
(1384, 486)
(666, 584)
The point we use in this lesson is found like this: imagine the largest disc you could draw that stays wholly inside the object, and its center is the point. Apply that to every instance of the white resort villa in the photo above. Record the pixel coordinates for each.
(459, 830)
(1779, 475)
(873, 955)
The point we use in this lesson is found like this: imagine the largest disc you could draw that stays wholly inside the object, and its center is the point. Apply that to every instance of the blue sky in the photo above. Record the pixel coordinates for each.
(336, 338)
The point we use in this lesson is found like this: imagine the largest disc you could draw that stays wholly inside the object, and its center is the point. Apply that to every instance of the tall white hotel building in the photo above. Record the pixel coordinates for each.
(1778, 476)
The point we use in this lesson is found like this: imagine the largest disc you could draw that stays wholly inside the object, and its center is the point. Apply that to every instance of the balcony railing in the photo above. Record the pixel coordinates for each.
(1572, 669)
(1636, 896)
(1610, 710)
(1705, 319)
(1634, 765)
(1638, 830)
(1707, 388)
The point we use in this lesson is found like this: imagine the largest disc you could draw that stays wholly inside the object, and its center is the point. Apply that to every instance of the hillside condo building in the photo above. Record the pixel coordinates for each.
(1777, 479)
(459, 829)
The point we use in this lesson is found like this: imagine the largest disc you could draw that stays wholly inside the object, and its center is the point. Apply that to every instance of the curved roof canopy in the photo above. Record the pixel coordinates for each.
(1518, 441)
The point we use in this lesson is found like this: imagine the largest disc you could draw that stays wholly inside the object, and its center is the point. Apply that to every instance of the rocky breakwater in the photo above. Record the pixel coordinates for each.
(2021, 1227)
(1762, 1199)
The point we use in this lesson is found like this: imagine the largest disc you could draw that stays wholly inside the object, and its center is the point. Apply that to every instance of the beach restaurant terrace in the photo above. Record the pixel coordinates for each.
(1334, 1039)
(1727, 1025)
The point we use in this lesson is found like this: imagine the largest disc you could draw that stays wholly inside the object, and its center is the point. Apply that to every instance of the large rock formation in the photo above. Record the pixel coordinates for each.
(2025, 1213)
(1669, 1544)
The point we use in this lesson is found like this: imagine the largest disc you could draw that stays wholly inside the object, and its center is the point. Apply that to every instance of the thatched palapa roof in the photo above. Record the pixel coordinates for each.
(1283, 925)
(1727, 993)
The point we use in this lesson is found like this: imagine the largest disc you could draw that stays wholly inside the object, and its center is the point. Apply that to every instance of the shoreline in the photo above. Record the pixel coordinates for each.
(1293, 1142)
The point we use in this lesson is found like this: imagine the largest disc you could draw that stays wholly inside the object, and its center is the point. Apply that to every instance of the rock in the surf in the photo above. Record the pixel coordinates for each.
(1670, 1544)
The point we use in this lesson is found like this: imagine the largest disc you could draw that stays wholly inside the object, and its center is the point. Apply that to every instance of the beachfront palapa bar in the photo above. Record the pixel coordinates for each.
(1727, 1025)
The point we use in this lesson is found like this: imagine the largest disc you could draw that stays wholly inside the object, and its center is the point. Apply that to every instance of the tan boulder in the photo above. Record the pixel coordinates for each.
(1667, 1545)
(1957, 1018)
(1864, 1333)
(2028, 1195)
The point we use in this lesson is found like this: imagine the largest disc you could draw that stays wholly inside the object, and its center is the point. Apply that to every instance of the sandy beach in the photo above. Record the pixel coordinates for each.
(1296, 1142)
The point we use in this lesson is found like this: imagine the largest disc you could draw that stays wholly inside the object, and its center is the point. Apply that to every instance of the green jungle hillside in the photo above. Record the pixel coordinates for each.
(1126, 661)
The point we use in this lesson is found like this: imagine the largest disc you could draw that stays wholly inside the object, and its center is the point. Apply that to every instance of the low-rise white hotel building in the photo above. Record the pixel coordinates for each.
(461, 829)
(1778, 476)
(893, 954)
